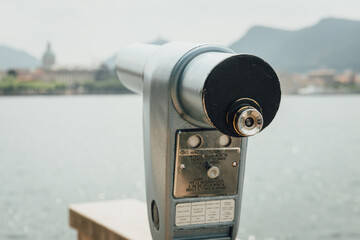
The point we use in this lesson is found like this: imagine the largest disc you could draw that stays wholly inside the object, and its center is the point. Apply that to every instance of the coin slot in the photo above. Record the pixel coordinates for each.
(155, 215)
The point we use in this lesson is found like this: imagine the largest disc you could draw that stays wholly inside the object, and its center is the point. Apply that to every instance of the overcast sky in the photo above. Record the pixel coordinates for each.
(85, 32)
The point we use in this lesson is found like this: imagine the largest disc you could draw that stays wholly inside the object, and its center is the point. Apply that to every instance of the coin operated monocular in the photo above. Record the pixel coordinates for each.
(200, 104)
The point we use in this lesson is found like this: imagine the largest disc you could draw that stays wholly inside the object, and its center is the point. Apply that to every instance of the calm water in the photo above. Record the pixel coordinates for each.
(302, 178)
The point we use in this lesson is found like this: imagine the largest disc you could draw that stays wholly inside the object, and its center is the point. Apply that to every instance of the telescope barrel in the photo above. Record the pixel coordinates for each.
(211, 86)
(131, 62)
(239, 94)
(191, 84)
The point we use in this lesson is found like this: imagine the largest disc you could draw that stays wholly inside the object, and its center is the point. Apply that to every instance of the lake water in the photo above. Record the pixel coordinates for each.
(302, 176)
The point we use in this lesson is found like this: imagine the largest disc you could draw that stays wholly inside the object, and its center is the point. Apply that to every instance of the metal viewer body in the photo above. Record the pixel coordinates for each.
(200, 103)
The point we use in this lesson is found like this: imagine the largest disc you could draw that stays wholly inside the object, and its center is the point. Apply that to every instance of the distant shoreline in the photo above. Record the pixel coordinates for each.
(125, 92)
(132, 93)
(11, 86)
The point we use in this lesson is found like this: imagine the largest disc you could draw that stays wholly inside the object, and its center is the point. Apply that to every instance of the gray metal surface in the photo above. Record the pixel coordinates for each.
(131, 62)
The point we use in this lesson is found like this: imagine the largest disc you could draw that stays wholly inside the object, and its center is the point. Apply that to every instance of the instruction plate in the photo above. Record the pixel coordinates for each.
(205, 212)
(192, 164)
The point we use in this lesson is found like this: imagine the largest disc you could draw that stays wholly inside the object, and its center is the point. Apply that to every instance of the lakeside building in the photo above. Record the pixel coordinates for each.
(49, 72)
(322, 76)
(68, 76)
(48, 60)
(2, 74)
(348, 77)
(317, 81)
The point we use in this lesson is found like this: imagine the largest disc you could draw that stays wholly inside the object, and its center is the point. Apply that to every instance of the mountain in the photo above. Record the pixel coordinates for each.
(331, 43)
(12, 58)
(111, 61)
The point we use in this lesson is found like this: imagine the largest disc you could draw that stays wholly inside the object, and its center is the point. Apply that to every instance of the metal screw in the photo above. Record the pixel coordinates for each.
(249, 122)
(182, 166)
(234, 164)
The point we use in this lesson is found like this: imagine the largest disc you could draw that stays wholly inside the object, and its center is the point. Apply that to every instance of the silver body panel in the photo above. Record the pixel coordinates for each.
(131, 62)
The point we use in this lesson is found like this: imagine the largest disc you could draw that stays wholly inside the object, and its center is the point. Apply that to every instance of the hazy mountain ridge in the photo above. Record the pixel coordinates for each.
(331, 43)
(13, 58)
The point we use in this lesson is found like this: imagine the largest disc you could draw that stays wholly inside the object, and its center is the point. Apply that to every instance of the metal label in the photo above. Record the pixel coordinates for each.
(205, 212)
(206, 164)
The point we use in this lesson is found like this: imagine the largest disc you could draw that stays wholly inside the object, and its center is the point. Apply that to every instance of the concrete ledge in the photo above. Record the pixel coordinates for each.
(110, 220)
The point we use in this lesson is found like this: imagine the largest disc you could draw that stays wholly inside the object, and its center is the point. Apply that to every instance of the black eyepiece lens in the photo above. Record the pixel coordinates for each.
(249, 122)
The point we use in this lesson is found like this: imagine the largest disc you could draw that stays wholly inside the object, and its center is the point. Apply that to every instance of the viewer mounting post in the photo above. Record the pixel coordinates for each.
(201, 102)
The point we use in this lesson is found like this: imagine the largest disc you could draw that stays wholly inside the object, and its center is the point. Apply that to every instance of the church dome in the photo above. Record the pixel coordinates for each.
(48, 58)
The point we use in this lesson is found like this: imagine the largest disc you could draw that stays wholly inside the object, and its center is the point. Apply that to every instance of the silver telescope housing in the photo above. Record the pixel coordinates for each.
(200, 103)
(131, 62)
(188, 83)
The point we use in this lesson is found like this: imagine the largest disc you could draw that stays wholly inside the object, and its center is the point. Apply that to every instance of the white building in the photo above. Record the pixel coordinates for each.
(51, 73)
